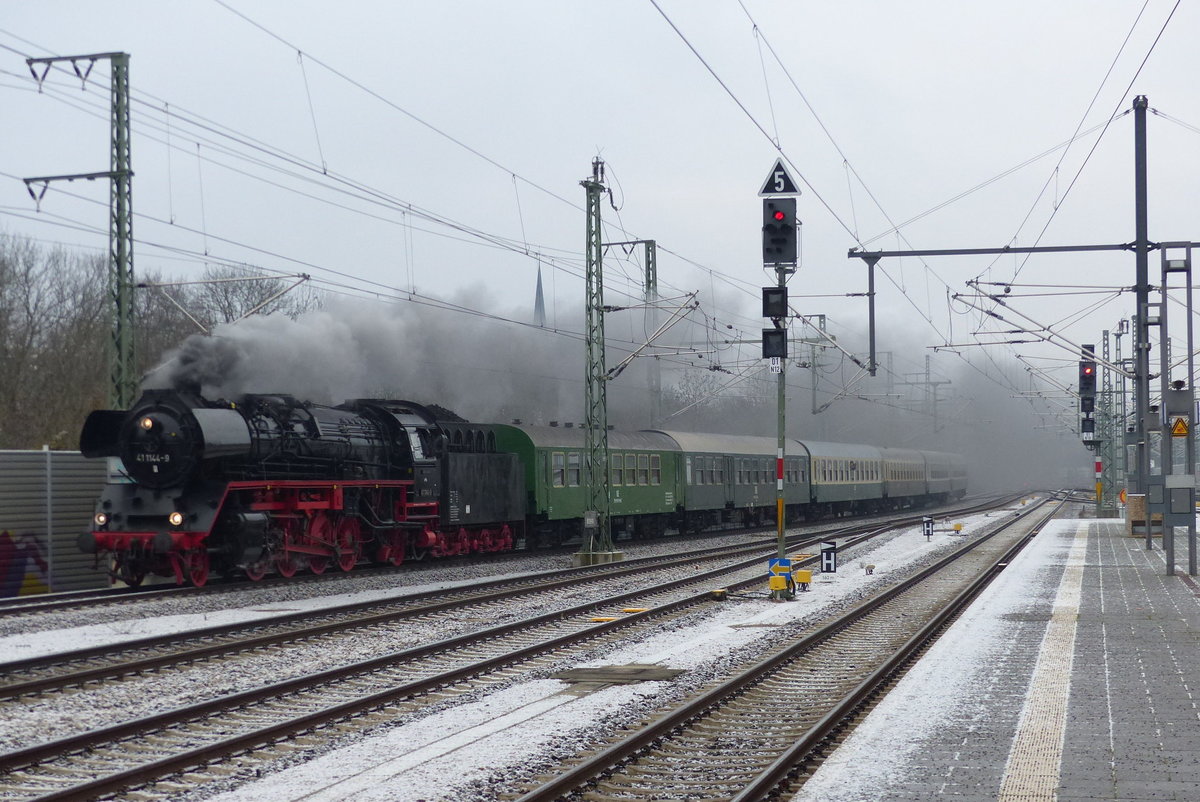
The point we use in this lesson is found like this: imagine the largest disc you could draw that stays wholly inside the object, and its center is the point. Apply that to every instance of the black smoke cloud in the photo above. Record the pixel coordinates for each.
(480, 368)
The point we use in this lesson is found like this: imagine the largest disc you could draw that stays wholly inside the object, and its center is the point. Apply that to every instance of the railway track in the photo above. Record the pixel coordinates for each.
(16, 606)
(64, 670)
(123, 596)
(759, 734)
(108, 759)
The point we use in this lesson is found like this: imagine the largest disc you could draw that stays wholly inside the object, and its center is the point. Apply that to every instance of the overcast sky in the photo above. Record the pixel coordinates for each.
(485, 116)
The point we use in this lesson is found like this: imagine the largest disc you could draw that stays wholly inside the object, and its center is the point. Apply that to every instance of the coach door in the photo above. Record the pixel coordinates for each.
(728, 474)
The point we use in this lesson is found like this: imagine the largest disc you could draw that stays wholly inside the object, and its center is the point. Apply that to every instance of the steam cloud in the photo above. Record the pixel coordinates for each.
(355, 349)
(492, 372)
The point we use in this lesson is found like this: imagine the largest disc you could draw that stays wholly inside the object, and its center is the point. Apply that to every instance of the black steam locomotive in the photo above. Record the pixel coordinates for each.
(270, 483)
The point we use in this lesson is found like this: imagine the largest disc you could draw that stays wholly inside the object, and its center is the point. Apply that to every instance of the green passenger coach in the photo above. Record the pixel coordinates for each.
(731, 478)
(644, 477)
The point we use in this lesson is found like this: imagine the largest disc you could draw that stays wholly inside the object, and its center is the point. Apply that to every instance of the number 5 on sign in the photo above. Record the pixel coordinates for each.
(778, 182)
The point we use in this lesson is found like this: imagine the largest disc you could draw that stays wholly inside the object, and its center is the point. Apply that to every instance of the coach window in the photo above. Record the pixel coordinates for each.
(617, 462)
(655, 469)
(630, 469)
(558, 463)
(643, 469)
(573, 469)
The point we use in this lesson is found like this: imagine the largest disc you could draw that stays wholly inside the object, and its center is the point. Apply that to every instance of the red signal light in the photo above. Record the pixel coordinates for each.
(779, 215)
(1088, 370)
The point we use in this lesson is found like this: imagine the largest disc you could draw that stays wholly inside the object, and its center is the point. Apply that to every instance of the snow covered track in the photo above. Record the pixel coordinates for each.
(204, 722)
(262, 719)
(59, 671)
(753, 736)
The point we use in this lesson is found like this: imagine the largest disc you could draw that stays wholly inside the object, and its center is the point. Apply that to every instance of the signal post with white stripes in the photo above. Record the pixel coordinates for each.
(779, 251)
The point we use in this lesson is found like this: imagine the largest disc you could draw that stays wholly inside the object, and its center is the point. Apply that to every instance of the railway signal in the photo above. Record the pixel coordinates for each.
(779, 251)
(1087, 373)
(775, 302)
(779, 231)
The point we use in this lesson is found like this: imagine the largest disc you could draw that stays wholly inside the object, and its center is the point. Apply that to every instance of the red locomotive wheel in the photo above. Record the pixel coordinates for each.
(258, 570)
(399, 546)
(286, 565)
(323, 534)
(196, 565)
(347, 543)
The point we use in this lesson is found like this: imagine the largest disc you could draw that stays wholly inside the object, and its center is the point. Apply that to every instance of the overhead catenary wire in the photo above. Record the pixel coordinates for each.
(713, 276)
(1120, 102)
(217, 129)
(542, 254)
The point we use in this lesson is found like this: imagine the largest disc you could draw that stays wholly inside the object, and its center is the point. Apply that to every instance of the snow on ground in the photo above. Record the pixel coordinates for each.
(452, 754)
(949, 680)
(54, 639)
(38, 644)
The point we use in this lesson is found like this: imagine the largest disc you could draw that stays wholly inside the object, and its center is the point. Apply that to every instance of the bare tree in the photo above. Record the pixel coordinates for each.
(56, 325)
(226, 294)
(51, 351)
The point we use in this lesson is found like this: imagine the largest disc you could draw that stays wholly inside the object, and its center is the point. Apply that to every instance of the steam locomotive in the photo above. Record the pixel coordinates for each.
(272, 484)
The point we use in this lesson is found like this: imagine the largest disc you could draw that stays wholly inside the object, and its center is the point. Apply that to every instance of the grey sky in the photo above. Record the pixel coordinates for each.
(925, 100)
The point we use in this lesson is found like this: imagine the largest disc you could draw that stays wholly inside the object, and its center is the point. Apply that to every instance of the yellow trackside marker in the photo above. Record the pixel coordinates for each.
(603, 619)
(635, 609)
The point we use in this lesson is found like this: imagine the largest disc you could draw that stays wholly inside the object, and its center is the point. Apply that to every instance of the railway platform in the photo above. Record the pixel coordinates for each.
(1074, 676)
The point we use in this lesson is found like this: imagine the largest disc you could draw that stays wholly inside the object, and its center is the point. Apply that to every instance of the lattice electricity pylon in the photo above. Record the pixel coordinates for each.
(123, 378)
(596, 393)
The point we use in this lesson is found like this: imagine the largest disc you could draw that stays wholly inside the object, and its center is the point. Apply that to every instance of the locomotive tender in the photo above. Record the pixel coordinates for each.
(268, 483)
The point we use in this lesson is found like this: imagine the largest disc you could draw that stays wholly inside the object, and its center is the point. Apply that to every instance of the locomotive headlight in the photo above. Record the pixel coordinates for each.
(147, 423)
(101, 518)
(175, 518)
